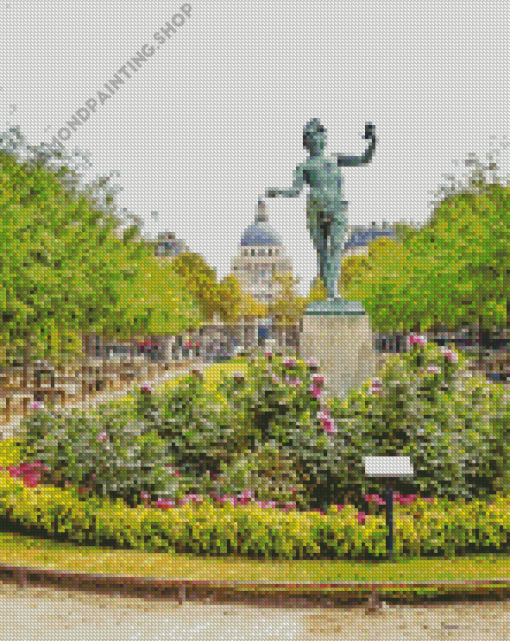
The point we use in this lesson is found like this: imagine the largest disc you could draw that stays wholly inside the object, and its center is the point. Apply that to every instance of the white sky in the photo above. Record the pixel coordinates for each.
(215, 116)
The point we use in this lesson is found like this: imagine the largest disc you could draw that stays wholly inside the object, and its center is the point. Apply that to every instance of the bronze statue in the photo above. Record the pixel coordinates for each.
(326, 211)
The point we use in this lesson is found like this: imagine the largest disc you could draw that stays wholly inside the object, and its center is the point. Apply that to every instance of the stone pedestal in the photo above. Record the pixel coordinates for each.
(338, 334)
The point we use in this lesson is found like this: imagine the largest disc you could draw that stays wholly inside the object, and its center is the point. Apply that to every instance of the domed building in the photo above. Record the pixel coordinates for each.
(260, 256)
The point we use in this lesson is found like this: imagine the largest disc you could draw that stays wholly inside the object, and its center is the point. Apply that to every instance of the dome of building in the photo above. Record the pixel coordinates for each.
(260, 232)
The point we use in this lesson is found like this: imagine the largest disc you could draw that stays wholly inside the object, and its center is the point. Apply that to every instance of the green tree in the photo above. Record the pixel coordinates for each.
(287, 308)
(317, 291)
(453, 272)
(231, 297)
(201, 281)
(154, 303)
(63, 271)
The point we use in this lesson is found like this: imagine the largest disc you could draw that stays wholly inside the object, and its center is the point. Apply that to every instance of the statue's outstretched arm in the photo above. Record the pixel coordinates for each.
(294, 191)
(352, 161)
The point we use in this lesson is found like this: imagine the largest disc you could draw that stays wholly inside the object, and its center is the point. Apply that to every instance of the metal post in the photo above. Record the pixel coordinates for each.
(389, 521)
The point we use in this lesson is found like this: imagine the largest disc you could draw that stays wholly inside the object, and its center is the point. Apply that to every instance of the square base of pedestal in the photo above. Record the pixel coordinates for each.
(338, 334)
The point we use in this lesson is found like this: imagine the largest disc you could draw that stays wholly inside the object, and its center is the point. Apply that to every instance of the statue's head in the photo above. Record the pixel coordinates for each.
(314, 136)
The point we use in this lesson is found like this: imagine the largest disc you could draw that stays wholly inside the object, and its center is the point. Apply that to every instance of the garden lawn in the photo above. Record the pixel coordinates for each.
(212, 378)
(24, 550)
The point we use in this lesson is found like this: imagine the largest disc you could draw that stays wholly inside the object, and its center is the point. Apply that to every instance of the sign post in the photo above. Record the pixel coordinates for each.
(388, 467)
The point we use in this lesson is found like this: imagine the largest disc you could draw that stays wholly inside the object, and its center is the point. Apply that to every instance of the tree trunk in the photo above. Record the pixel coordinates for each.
(26, 358)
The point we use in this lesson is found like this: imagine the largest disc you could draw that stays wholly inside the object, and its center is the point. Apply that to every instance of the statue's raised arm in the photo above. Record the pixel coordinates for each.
(294, 191)
(353, 161)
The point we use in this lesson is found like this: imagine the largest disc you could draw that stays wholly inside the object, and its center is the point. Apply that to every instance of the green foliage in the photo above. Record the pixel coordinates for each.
(201, 281)
(318, 291)
(287, 307)
(64, 272)
(421, 529)
(107, 453)
(231, 297)
(453, 272)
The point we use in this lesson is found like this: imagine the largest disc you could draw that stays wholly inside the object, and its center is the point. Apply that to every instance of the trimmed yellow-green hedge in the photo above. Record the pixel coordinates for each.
(251, 530)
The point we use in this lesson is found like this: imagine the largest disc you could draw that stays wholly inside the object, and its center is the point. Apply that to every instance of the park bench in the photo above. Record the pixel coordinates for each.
(8, 396)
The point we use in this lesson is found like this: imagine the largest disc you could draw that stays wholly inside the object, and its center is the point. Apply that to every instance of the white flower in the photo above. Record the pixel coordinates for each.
(433, 369)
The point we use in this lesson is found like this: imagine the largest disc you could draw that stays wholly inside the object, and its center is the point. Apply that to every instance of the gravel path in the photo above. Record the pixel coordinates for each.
(44, 614)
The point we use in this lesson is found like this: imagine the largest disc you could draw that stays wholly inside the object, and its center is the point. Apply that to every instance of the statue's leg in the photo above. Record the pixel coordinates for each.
(313, 223)
(334, 254)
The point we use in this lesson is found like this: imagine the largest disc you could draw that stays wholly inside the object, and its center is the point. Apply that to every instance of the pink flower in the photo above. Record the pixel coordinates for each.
(247, 494)
(361, 518)
(197, 371)
(164, 503)
(318, 380)
(339, 508)
(428, 499)
(329, 426)
(296, 382)
(449, 354)
(293, 489)
(266, 504)
(289, 362)
(316, 391)
(145, 495)
(312, 363)
(176, 473)
(269, 354)
(276, 379)
(376, 387)
(36, 405)
(31, 481)
(102, 437)
(415, 339)
(327, 422)
(146, 389)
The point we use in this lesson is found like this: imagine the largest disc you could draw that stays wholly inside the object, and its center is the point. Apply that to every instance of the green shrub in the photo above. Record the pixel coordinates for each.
(107, 452)
(420, 529)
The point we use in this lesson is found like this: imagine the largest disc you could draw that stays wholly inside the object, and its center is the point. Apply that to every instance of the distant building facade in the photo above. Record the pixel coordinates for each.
(167, 246)
(261, 255)
(359, 237)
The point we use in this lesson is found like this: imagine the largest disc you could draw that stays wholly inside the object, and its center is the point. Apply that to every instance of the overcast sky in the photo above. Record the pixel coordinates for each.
(215, 115)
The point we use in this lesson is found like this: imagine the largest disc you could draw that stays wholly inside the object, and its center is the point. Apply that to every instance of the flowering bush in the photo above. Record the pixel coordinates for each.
(263, 475)
(194, 424)
(105, 453)
(417, 406)
(272, 433)
(452, 427)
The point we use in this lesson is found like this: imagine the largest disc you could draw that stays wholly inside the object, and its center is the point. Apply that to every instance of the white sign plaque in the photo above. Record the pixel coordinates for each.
(388, 466)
